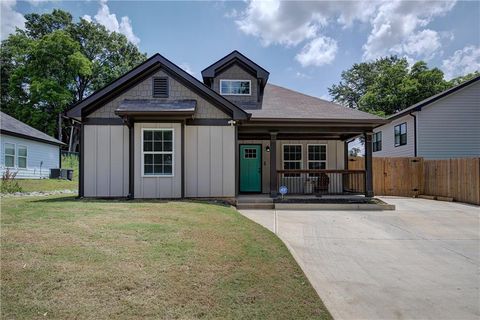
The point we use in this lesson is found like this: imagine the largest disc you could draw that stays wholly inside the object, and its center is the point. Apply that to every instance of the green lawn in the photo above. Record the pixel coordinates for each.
(29, 185)
(65, 258)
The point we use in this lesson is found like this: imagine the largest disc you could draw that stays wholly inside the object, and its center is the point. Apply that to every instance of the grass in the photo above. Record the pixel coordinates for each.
(65, 258)
(30, 185)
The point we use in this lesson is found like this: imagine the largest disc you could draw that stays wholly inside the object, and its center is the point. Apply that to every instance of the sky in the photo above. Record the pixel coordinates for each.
(304, 45)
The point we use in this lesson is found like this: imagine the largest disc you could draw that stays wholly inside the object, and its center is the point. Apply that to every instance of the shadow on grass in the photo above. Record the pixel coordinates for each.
(217, 202)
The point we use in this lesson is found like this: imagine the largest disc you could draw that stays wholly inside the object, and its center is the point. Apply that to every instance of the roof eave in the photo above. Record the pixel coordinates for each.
(24, 136)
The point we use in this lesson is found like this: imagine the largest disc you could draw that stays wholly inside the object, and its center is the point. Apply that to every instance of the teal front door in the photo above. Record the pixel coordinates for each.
(250, 168)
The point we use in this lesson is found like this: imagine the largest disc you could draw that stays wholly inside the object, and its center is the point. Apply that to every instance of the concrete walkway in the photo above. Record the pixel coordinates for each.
(418, 262)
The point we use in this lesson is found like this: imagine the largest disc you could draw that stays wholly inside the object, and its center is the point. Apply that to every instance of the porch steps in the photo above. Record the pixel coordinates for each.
(255, 203)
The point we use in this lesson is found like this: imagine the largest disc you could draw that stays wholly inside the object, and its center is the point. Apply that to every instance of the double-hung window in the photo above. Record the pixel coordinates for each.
(317, 156)
(157, 152)
(400, 132)
(9, 153)
(377, 141)
(292, 157)
(235, 87)
(22, 157)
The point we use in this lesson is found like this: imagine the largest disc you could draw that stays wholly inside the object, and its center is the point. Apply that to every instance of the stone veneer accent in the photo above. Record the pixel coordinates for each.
(235, 72)
(177, 91)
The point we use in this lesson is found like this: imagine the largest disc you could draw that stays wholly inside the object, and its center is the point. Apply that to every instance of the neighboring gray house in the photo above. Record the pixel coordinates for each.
(158, 132)
(27, 151)
(446, 125)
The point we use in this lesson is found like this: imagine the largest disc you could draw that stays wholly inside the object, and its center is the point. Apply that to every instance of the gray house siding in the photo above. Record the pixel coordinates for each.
(41, 157)
(105, 161)
(388, 139)
(450, 127)
(209, 161)
(143, 90)
(235, 72)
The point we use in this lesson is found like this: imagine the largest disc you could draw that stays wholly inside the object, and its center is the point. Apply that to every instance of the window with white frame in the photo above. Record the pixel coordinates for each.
(9, 154)
(400, 133)
(377, 141)
(22, 157)
(235, 87)
(317, 156)
(292, 156)
(157, 149)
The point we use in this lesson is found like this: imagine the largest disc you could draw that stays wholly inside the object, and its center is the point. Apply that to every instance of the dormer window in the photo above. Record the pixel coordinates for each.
(235, 87)
(160, 87)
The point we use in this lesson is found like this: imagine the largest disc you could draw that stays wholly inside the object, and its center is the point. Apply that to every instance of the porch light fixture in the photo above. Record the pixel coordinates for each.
(267, 148)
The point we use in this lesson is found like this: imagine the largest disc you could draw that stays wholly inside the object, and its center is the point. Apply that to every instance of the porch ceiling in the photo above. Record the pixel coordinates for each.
(302, 132)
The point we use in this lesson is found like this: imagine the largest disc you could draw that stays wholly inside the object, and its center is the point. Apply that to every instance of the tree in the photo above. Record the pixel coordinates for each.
(55, 62)
(458, 80)
(387, 85)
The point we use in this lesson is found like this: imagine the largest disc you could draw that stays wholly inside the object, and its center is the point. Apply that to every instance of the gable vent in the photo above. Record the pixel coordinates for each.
(160, 87)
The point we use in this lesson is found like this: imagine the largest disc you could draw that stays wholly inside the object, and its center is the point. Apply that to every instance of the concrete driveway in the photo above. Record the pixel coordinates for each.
(418, 262)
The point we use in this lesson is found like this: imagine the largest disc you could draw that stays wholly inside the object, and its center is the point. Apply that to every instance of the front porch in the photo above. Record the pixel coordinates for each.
(310, 160)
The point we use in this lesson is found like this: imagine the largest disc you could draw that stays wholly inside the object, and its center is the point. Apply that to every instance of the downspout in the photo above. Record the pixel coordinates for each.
(414, 134)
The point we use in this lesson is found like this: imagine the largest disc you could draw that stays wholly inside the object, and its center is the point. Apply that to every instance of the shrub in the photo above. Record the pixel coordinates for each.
(9, 183)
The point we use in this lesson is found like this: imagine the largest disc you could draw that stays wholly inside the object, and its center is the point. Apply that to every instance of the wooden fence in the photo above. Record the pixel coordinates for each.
(400, 176)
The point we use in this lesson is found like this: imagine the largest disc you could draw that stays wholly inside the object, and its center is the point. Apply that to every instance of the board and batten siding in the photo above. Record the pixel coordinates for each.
(105, 161)
(209, 161)
(450, 127)
(41, 157)
(335, 149)
(157, 186)
(388, 139)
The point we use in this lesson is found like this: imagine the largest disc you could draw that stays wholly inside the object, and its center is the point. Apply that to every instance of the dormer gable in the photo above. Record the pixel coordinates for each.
(238, 79)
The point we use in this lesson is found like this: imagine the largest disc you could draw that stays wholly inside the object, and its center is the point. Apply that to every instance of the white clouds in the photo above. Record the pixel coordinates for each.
(398, 24)
(396, 27)
(10, 19)
(110, 21)
(462, 62)
(318, 52)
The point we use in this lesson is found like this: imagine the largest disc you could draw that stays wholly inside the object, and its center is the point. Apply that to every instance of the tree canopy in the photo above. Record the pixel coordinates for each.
(388, 85)
(55, 62)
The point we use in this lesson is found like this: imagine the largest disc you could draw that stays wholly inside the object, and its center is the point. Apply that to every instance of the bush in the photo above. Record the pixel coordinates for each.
(9, 183)
(70, 161)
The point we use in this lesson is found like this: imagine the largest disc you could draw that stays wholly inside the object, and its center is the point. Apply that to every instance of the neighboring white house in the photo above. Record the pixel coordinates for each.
(446, 125)
(27, 151)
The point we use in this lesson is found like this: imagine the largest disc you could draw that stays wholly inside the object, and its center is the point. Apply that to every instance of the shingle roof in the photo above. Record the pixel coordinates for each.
(283, 103)
(425, 102)
(155, 106)
(12, 126)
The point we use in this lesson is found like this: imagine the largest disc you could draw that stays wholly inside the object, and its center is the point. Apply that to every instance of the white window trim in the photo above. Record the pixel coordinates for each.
(14, 156)
(18, 156)
(326, 155)
(159, 152)
(283, 155)
(236, 94)
(406, 134)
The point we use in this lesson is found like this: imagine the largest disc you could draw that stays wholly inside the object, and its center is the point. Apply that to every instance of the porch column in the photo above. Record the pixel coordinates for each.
(131, 158)
(368, 164)
(273, 164)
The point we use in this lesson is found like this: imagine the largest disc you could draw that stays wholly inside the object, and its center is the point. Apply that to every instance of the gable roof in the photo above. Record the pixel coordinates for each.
(139, 73)
(284, 104)
(418, 106)
(13, 127)
(235, 57)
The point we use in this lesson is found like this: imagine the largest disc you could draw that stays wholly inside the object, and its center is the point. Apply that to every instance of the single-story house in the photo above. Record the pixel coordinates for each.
(158, 132)
(446, 125)
(27, 151)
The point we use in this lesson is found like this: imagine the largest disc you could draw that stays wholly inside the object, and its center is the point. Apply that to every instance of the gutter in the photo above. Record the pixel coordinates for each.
(414, 133)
